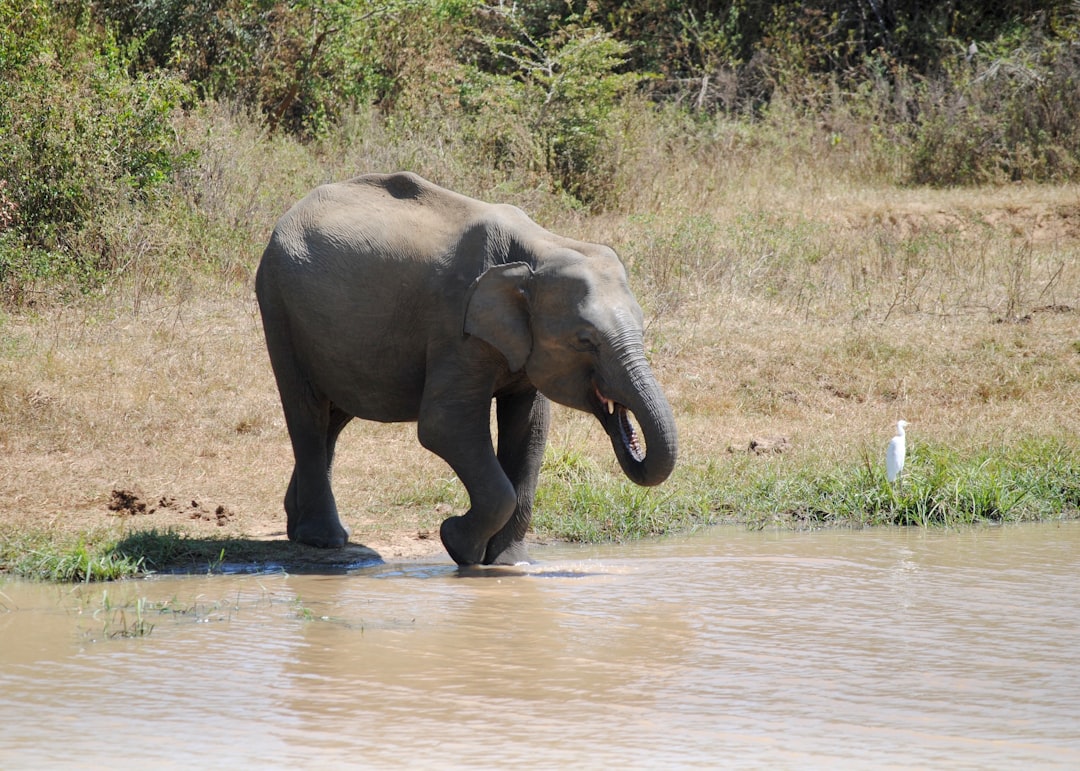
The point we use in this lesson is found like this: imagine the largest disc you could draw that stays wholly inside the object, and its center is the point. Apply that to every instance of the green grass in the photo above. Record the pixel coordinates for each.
(107, 556)
(1037, 480)
(123, 612)
(43, 555)
(116, 621)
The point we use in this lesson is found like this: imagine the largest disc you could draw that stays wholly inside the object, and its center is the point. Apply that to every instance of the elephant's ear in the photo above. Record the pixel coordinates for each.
(497, 311)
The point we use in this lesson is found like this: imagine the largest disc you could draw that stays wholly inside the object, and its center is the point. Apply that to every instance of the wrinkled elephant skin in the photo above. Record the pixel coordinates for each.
(389, 298)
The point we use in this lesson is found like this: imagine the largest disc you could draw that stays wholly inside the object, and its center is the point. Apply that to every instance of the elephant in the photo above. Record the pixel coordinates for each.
(391, 299)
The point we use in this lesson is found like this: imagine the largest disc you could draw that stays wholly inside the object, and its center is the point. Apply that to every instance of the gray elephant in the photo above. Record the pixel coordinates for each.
(389, 298)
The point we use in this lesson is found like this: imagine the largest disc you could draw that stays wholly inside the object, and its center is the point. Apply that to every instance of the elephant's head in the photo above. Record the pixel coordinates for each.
(575, 328)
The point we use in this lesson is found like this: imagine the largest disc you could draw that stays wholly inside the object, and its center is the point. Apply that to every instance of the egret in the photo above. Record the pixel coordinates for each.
(894, 455)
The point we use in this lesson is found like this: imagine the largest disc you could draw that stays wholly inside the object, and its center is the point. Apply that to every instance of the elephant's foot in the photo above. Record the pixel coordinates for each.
(462, 547)
(323, 534)
(515, 553)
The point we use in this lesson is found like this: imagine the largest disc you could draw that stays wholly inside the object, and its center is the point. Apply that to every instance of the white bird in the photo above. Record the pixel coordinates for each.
(894, 455)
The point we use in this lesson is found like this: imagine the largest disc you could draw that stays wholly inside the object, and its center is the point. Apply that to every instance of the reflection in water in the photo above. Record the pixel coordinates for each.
(878, 648)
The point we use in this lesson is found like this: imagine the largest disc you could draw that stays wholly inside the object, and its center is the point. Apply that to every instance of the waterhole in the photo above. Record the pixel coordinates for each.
(881, 648)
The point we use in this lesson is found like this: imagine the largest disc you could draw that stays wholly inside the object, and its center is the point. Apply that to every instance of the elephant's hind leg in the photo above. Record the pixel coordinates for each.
(313, 425)
(309, 502)
(293, 510)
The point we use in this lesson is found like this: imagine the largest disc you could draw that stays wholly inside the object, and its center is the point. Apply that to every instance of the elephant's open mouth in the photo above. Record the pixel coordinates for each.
(627, 431)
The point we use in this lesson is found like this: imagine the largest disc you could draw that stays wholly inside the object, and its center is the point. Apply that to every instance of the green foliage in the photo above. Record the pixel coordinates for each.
(975, 95)
(41, 557)
(104, 105)
(24, 32)
(548, 104)
(79, 136)
(577, 501)
(102, 555)
(303, 65)
(115, 621)
(1038, 480)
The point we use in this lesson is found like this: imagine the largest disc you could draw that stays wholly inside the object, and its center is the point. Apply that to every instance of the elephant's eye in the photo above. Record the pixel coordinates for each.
(584, 341)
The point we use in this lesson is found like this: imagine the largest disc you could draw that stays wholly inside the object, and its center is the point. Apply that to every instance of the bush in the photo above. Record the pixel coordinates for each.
(302, 65)
(551, 95)
(1008, 115)
(79, 136)
(549, 104)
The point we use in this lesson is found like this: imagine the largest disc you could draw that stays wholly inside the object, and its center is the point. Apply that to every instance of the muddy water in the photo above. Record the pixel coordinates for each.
(871, 649)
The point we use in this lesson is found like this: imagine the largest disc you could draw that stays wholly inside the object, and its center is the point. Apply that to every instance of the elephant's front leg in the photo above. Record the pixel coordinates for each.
(460, 434)
(523, 429)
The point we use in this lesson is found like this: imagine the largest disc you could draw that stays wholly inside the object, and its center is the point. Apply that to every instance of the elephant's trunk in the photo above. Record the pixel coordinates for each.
(641, 397)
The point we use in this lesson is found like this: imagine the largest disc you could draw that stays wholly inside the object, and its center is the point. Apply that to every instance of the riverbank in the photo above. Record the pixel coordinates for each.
(789, 339)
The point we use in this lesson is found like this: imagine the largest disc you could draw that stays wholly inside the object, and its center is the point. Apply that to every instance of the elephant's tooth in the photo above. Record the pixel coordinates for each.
(608, 404)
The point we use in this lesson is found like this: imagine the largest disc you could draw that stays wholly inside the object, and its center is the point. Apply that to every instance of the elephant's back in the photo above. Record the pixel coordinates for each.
(375, 217)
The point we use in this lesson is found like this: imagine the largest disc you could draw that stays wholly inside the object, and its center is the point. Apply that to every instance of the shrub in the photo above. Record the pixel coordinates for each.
(548, 105)
(1009, 115)
(302, 65)
(78, 137)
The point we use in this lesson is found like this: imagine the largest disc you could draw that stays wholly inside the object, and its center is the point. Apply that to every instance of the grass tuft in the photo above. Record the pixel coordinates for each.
(46, 556)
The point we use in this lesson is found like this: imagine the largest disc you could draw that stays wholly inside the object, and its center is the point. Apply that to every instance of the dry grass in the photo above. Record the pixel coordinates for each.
(782, 301)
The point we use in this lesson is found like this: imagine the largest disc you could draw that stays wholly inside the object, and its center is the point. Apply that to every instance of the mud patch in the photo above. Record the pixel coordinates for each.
(130, 503)
(278, 556)
(220, 515)
(125, 503)
(1041, 223)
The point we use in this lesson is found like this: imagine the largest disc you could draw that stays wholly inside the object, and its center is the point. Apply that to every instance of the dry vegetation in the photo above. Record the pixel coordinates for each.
(784, 299)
